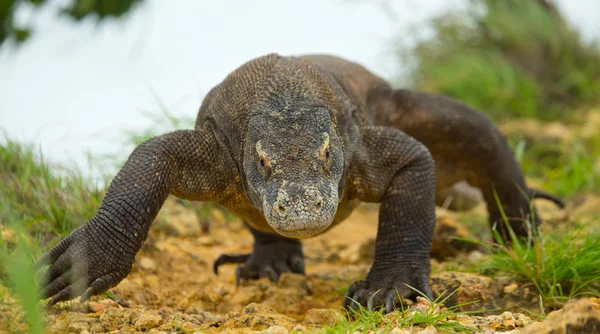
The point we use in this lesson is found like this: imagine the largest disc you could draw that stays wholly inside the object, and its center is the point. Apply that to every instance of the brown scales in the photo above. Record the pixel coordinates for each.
(364, 141)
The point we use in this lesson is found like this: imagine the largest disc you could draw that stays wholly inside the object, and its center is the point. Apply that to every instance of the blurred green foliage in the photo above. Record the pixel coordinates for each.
(507, 58)
(44, 200)
(10, 30)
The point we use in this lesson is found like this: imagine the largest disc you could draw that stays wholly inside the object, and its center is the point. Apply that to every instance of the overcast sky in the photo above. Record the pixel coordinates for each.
(74, 87)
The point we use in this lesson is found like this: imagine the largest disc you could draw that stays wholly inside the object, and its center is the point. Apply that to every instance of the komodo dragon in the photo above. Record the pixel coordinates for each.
(292, 145)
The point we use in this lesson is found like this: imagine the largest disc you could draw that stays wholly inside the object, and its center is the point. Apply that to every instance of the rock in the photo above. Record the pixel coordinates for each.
(446, 237)
(299, 329)
(96, 307)
(475, 256)
(177, 220)
(208, 240)
(578, 316)
(291, 280)
(78, 327)
(148, 320)
(275, 330)
(488, 292)
(510, 288)
(97, 328)
(258, 317)
(147, 263)
(322, 317)
(460, 196)
(508, 321)
(257, 308)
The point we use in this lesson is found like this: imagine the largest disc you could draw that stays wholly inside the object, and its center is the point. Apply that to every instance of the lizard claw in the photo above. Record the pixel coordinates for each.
(269, 261)
(77, 267)
(378, 292)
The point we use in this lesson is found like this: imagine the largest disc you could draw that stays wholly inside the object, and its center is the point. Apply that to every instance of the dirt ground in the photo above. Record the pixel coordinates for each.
(172, 288)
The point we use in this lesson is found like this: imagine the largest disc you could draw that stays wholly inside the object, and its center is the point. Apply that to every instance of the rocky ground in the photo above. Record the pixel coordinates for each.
(172, 288)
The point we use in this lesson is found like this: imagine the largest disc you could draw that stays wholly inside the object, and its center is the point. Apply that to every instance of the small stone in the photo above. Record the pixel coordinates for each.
(257, 308)
(475, 256)
(147, 263)
(397, 330)
(148, 320)
(77, 327)
(275, 330)
(97, 328)
(326, 317)
(156, 331)
(577, 317)
(208, 240)
(299, 329)
(508, 321)
(510, 288)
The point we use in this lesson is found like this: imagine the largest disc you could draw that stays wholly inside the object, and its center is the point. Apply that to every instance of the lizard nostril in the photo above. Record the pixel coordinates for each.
(319, 204)
(281, 208)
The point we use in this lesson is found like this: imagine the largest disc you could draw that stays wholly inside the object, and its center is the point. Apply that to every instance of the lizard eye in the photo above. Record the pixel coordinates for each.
(262, 162)
(327, 155)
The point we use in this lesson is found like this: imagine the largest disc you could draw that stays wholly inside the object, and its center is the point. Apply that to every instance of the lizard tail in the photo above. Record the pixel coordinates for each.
(536, 193)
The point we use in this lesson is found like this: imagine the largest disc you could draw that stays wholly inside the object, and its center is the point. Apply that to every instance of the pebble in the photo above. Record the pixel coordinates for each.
(147, 263)
(148, 320)
(275, 330)
(77, 327)
(511, 288)
(325, 317)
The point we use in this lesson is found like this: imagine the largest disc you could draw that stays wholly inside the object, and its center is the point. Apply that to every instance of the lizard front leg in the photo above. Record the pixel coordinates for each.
(272, 255)
(397, 171)
(99, 254)
(465, 146)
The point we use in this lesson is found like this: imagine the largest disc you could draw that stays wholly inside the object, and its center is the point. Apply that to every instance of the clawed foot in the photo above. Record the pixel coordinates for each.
(374, 293)
(80, 268)
(270, 259)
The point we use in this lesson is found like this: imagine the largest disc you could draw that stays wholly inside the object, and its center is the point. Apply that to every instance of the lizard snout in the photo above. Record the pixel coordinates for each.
(300, 211)
(283, 205)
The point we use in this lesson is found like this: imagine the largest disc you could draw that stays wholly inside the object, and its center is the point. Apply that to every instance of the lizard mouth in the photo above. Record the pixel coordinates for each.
(302, 233)
(299, 224)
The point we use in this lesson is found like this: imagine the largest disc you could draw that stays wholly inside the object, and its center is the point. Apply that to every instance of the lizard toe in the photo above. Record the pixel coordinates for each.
(229, 259)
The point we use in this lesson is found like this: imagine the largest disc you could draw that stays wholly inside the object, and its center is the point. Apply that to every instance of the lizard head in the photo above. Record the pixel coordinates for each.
(293, 164)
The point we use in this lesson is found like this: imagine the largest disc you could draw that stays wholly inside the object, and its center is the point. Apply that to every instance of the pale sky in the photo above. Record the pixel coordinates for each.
(75, 88)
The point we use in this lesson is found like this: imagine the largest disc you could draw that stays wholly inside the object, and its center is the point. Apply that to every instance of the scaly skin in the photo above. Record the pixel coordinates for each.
(292, 145)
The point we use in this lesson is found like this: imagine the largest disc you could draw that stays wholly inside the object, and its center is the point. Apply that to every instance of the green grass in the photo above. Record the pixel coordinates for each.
(564, 169)
(46, 200)
(39, 204)
(363, 320)
(508, 58)
(562, 264)
(17, 275)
